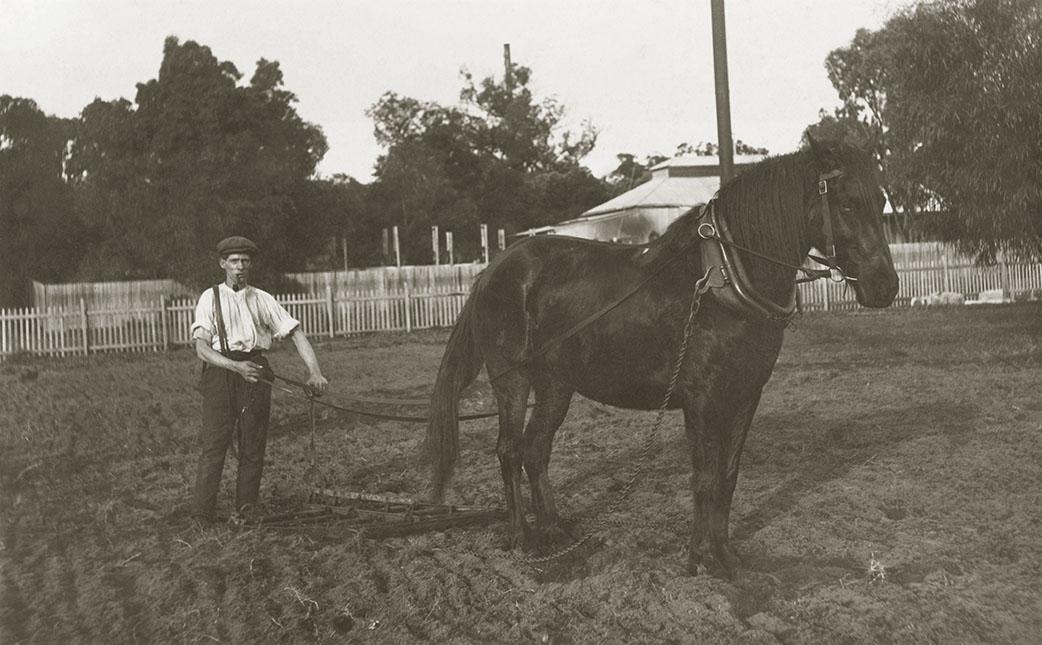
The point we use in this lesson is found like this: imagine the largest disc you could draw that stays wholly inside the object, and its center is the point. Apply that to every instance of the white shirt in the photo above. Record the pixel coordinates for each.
(252, 317)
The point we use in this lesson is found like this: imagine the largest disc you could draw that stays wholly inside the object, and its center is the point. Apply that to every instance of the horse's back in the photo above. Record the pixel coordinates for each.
(539, 261)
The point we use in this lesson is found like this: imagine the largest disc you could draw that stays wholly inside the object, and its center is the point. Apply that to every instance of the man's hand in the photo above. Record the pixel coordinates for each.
(317, 384)
(249, 371)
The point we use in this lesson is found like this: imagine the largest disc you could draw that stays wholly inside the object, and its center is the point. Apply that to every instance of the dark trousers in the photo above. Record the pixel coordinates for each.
(231, 408)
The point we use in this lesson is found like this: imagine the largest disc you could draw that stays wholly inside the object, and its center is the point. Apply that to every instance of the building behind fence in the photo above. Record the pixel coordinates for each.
(410, 298)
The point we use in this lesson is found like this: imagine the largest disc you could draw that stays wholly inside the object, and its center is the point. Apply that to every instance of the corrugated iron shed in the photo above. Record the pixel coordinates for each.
(641, 214)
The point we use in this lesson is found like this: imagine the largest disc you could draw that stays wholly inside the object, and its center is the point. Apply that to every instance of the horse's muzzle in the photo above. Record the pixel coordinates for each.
(877, 283)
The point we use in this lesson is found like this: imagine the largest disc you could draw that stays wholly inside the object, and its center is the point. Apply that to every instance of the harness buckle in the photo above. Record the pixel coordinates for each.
(707, 231)
(823, 186)
(836, 275)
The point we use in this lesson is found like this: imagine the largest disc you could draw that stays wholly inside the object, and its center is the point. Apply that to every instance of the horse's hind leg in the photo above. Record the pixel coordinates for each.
(512, 395)
(551, 407)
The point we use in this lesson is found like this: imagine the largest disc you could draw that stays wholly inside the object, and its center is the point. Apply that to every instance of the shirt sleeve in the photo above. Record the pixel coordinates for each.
(282, 324)
(203, 326)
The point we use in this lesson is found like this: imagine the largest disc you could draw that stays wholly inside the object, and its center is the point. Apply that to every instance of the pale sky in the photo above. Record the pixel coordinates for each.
(640, 71)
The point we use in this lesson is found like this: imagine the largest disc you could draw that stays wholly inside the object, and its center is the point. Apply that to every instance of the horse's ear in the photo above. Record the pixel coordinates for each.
(823, 153)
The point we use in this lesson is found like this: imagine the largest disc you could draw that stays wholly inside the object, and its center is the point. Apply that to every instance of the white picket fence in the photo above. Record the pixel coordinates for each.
(61, 331)
(923, 268)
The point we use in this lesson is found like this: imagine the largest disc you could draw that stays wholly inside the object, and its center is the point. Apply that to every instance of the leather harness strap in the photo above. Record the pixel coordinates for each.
(728, 279)
(826, 214)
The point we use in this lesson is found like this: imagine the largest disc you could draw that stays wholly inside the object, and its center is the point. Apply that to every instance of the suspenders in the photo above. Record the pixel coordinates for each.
(220, 319)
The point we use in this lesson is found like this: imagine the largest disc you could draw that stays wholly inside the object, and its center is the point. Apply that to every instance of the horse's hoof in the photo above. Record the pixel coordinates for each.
(724, 563)
(695, 567)
(729, 559)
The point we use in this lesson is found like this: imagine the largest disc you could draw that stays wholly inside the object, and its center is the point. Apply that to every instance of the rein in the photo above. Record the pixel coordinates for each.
(314, 400)
(714, 280)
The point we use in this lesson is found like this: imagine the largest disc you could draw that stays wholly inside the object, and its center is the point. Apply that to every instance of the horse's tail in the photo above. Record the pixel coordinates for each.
(459, 368)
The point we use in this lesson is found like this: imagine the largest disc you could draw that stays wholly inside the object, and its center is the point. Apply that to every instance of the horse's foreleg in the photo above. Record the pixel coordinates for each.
(704, 441)
(552, 401)
(512, 395)
(734, 442)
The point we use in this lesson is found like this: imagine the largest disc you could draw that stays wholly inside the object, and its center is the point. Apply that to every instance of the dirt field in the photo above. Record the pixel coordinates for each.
(891, 491)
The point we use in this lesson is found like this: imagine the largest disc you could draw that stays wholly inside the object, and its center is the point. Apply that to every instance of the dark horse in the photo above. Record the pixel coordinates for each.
(541, 318)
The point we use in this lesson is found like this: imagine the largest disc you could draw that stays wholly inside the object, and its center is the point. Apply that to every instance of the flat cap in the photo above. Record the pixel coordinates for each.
(236, 244)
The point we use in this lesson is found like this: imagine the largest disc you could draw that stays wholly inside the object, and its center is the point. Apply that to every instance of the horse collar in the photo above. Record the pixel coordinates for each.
(726, 274)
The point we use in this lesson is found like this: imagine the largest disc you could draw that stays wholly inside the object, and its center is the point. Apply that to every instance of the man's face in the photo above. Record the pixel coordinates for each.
(236, 268)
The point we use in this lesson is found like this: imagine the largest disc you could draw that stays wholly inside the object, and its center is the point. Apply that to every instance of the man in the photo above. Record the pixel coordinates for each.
(234, 325)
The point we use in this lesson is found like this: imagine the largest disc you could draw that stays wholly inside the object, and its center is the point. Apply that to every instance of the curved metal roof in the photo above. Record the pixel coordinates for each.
(678, 182)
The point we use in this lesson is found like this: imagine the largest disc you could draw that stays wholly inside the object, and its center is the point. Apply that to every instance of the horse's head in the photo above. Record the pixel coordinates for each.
(847, 207)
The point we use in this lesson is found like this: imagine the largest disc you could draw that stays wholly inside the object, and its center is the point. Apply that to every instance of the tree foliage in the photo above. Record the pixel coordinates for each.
(196, 157)
(950, 94)
(39, 236)
(499, 157)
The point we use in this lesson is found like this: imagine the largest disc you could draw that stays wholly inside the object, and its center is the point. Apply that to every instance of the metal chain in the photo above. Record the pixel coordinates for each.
(604, 518)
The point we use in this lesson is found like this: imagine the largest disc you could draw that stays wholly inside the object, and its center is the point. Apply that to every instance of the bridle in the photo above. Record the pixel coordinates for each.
(836, 274)
(727, 276)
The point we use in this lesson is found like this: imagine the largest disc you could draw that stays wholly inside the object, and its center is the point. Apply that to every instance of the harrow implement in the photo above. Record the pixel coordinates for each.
(376, 516)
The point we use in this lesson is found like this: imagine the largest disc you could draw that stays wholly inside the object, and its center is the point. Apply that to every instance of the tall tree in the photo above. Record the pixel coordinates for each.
(197, 156)
(39, 233)
(859, 72)
(499, 157)
(528, 135)
(955, 89)
(353, 238)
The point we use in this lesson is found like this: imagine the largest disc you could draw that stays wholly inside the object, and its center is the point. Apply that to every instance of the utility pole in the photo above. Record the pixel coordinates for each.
(723, 93)
(484, 242)
(508, 70)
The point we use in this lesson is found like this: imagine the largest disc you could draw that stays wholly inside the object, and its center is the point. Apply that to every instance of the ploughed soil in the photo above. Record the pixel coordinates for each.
(891, 490)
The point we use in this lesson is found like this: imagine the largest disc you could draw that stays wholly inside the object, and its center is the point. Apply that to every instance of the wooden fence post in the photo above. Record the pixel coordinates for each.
(61, 331)
(85, 323)
(436, 245)
(164, 321)
(484, 242)
(331, 311)
(947, 273)
(1005, 275)
(825, 293)
(408, 308)
(397, 248)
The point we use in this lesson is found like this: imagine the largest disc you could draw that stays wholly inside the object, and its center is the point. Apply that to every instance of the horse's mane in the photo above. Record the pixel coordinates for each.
(765, 207)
